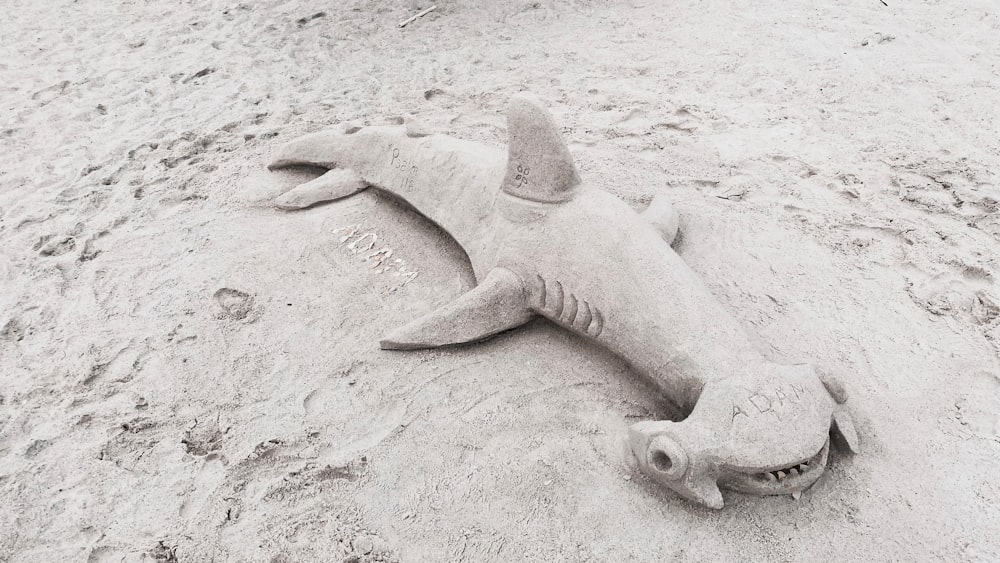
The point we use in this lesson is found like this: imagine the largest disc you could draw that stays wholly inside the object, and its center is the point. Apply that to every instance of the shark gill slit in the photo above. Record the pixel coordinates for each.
(566, 308)
(583, 315)
(557, 300)
(570, 310)
(597, 324)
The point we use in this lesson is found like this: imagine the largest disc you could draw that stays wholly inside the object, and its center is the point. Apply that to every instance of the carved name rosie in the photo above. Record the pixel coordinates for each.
(533, 232)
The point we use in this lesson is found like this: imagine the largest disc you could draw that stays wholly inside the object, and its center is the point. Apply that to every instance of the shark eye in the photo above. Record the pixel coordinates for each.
(667, 458)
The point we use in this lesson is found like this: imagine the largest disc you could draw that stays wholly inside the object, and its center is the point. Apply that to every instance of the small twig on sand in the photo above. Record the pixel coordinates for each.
(883, 3)
(419, 15)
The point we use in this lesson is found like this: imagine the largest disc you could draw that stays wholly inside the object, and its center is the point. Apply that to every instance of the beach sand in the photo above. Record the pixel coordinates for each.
(189, 374)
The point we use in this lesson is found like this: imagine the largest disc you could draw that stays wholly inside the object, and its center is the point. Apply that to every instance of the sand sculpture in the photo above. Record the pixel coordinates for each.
(542, 242)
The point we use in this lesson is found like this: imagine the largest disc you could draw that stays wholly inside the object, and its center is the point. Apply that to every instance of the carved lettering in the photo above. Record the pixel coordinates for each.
(358, 246)
(362, 244)
(781, 397)
(762, 402)
(407, 166)
(774, 401)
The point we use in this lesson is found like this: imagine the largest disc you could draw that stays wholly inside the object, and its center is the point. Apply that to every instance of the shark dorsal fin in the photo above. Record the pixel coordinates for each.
(539, 166)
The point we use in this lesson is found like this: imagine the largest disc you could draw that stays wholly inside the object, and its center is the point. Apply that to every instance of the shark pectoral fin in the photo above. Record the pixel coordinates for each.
(315, 149)
(663, 217)
(844, 434)
(539, 166)
(334, 184)
(497, 304)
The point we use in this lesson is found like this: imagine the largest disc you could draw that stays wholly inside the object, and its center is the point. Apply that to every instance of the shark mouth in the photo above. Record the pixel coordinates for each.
(789, 479)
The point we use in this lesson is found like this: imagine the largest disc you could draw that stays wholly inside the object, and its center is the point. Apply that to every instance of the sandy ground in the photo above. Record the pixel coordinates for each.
(187, 373)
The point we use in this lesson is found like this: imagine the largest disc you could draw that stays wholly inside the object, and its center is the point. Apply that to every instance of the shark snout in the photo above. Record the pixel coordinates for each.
(696, 466)
(674, 464)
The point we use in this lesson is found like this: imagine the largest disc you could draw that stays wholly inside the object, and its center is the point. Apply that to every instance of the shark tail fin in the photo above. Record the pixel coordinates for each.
(539, 166)
(497, 304)
(316, 149)
(334, 184)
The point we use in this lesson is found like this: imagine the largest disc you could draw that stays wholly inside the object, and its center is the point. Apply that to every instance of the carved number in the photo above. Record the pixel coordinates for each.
(404, 165)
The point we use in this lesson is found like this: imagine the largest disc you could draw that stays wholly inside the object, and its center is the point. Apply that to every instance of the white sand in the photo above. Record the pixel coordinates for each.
(189, 373)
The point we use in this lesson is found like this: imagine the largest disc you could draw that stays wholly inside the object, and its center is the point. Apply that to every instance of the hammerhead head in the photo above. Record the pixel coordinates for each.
(542, 242)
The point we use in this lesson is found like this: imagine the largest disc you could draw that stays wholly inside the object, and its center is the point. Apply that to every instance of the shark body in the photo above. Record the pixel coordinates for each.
(542, 242)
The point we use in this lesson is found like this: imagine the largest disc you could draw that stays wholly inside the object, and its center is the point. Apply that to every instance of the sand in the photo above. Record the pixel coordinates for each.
(191, 374)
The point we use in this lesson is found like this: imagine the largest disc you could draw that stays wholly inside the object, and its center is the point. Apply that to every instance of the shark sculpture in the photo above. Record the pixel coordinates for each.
(543, 242)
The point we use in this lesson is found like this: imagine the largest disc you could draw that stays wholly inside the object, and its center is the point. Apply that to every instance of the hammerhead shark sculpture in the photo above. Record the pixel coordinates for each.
(541, 242)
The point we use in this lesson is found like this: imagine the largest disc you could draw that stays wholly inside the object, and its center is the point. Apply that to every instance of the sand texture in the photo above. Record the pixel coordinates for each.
(188, 373)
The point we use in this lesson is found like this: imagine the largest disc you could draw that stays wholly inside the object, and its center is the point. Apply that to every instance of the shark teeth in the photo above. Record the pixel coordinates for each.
(781, 474)
(789, 479)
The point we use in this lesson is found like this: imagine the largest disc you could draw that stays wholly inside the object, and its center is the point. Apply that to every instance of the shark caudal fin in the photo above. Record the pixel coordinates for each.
(497, 304)
(321, 149)
(334, 184)
(539, 166)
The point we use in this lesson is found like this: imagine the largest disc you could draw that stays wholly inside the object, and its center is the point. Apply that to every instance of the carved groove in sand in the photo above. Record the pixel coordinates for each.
(542, 242)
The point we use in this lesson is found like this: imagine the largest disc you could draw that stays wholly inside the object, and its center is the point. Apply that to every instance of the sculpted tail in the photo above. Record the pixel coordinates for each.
(324, 149)
(334, 184)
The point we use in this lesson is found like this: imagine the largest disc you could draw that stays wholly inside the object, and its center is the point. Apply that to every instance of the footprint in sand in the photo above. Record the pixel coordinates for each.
(235, 304)
(55, 245)
(965, 294)
(14, 330)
